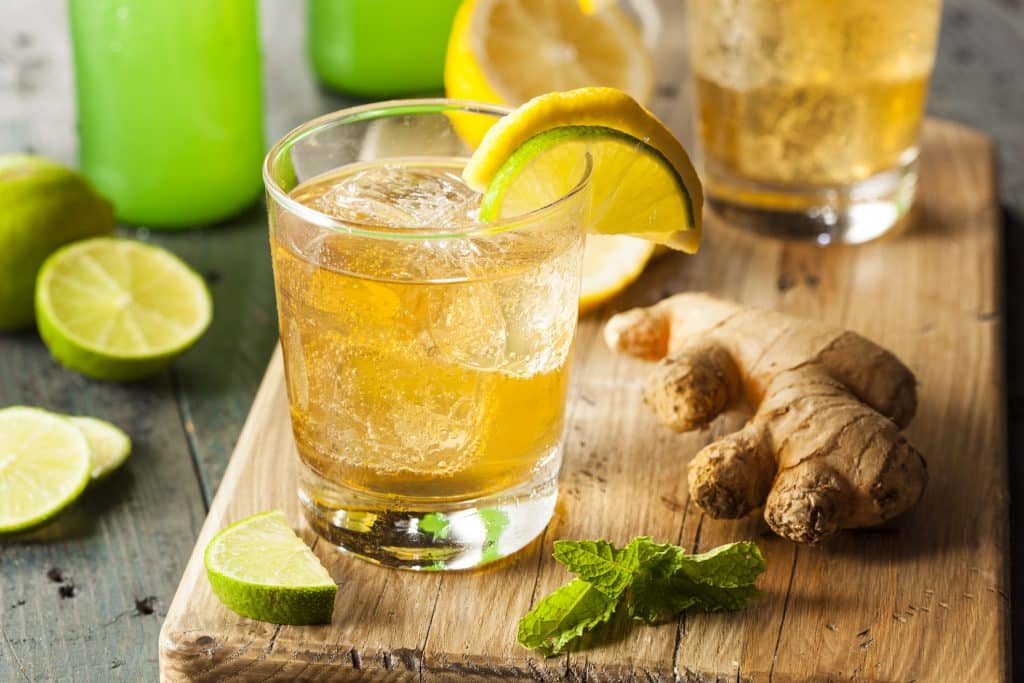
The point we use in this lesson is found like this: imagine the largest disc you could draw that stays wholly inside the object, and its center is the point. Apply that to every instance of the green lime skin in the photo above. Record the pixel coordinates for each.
(43, 205)
(96, 364)
(276, 605)
(297, 605)
(490, 204)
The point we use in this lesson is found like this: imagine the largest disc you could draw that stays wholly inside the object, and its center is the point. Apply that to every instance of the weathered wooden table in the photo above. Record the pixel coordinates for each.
(84, 599)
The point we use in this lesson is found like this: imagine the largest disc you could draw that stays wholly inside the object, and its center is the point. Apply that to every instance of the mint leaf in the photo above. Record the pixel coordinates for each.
(652, 598)
(564, 616)
(434, 524)
(656, 599)
(715, 598)
(656, 581)
(727, 566)
(495, 523)
(658, 558)
(600, 564)
(669, 581)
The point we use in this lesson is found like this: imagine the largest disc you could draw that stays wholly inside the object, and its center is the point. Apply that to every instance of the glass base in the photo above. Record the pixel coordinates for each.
(850, 214)
(430, 536)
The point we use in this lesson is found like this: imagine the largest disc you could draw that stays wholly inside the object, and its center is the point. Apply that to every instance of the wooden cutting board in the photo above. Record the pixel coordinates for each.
(924, 599)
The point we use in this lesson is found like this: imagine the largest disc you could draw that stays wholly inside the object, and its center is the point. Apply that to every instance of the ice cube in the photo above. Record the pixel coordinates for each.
(540, 314)
(417, 135)
(392, 410)
(402, 197)
(467, 324)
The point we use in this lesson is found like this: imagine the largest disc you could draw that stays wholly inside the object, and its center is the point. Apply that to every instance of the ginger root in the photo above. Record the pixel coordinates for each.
(823, 450)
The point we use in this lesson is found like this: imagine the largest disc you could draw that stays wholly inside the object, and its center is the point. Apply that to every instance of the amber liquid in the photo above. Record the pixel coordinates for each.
(419, 371)
(813, 134)
(811, 93)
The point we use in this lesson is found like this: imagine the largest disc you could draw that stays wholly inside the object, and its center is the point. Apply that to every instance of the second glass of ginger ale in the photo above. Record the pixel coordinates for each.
(810, 111)
(426, 352)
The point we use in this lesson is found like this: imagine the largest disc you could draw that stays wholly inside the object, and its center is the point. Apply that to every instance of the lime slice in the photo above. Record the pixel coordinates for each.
(44, 466)
(118, 309)
(642, 182)
(108, 444)
(261, 569)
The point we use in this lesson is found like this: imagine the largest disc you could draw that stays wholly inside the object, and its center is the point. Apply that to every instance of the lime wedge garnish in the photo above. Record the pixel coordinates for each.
(261, 569)
(108, 444)
(642, 182)
(44, 466)
(119, 309)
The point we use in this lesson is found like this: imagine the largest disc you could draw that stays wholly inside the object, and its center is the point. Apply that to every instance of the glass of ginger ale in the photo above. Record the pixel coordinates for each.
(810, 110)
(426, 353)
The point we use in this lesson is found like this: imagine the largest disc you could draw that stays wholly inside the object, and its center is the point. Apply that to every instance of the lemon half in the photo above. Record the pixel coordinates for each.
(507, 51)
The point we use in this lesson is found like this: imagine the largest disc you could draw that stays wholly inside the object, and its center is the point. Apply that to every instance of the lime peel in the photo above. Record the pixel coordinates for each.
(109, 445)
(44, 205)
(261, 569)
(490, 204)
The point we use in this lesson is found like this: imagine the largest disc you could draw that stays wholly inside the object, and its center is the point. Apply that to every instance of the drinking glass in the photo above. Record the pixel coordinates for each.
(810, 111)
(426, 352)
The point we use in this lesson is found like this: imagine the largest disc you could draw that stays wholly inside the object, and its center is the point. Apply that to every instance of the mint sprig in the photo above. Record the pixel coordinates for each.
(565, 615)
(652, 581)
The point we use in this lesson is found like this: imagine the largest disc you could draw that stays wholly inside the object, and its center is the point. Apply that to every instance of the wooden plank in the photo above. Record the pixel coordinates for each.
(215, 381)
(922, 599)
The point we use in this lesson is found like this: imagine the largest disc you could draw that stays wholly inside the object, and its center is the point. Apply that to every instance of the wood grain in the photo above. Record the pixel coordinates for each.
(923, 599)
(78, 596)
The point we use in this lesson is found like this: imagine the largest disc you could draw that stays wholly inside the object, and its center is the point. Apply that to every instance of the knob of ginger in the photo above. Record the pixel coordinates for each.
(823, 450)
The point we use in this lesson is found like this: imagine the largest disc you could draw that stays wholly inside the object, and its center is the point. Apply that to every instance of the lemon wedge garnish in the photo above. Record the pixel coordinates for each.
(642, 182)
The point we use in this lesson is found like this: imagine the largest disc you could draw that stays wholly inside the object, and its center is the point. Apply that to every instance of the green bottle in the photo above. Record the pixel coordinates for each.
(170, 106)
(380, 48)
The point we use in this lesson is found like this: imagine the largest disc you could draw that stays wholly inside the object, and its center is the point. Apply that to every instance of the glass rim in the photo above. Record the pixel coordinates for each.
(383, 109)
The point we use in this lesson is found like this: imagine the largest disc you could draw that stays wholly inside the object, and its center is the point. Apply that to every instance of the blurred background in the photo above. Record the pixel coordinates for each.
(977, 81)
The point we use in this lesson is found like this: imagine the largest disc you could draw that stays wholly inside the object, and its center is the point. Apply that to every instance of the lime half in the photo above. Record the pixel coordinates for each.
(118, 309)
(261, 569)
(641, 183)
(108, 444)
(44, 466)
